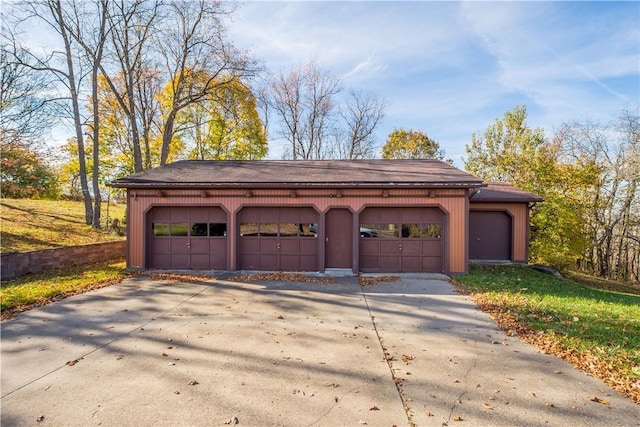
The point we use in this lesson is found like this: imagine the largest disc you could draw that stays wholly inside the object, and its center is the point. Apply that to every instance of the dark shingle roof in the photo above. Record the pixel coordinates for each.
(302, 173)
(503, 192)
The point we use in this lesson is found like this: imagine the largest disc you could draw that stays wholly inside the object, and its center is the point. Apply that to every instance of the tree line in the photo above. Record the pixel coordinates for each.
(146, 82)
(589, 175)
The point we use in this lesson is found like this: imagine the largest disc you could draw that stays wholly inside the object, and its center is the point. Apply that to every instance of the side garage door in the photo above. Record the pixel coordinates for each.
(278, 239)
(489, 235)
(401, 240)
(187, 238)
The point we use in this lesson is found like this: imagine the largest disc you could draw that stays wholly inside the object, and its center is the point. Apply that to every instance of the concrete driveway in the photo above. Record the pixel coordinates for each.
(209, 352)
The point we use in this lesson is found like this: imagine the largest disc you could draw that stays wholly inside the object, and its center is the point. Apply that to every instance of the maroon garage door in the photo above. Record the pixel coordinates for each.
(401, 240)
(278, 239)
(489, 235)
(187, 238)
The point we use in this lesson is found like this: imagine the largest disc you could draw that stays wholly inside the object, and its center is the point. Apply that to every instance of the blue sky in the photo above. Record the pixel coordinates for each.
(451, 68)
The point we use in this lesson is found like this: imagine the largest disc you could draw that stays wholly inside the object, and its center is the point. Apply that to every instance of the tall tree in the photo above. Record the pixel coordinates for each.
(303, 100)
(225, 125)
(134, 25)
(510, 151)
(612, 220)
(361, 115)
(88, 27)
(24, 112)
(411, 144)
(193, 41)
(66, 67)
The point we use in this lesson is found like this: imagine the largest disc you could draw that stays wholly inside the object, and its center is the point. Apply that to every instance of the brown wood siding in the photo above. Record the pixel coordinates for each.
(452, 202)
(520, 225)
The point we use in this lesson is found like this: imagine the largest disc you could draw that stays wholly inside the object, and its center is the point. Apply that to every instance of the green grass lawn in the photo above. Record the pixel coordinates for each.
(40, 224)
(23, 293)
(597, 330)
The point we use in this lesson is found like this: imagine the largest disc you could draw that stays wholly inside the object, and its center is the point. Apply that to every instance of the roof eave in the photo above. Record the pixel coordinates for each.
(200, 185)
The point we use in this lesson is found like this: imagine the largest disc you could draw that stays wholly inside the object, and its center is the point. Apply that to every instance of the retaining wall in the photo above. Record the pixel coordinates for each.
(20, 263)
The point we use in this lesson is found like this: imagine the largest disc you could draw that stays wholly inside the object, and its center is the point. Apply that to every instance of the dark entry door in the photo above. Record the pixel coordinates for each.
(187, 237)
(338, 238)
(489, 235)
(274, 239)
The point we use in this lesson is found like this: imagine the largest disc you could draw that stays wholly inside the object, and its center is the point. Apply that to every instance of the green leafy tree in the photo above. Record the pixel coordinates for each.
(511, 151)
(223, 126)
(411, 144)
(23, 171)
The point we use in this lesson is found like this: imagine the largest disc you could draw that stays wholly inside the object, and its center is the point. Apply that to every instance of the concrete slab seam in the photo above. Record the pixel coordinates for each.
(396, 381)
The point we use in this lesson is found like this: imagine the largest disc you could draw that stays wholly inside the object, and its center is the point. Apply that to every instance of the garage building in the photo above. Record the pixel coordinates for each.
(319, 215)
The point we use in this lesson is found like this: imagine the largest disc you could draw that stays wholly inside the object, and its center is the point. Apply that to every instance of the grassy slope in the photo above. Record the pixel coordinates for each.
(597, 330)
(39, 224)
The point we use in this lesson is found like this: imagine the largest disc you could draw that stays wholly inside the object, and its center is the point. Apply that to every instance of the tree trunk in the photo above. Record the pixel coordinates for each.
(167, 135)
(86, 195)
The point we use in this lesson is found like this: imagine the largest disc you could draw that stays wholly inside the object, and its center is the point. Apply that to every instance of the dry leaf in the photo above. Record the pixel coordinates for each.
(232, 421)
(40, 419)
(193, 382)
(598, 400)
(72, 362)
(458, 418)
(374, 408)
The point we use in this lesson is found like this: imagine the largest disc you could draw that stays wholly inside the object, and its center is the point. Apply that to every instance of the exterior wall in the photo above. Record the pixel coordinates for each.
(520, 226)
(453, 202)
(18, 264)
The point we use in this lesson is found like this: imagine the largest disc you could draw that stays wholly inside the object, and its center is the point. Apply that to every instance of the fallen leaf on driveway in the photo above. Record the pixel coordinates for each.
(374, 408)
(193, 382)
(458, 418)
(40, 419)
(406, 358)
(598, 400)
(72, 362)
(232, 421)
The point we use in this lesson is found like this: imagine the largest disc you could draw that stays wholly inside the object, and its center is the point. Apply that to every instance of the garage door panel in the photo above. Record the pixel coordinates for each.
(389, 263)
(289, 245)
(179, 261)
(250, 245)
(200, 245)
(161, 261)
(431, 263)
(432, 248)
(412, 247)
(390, 215)
(369, 262)
(489, 235)
(308, 262)
(178, 237)
(389, 246)
(162, 245)
(308, 246)
(269, 262)
(369, 246)
(280, 244)
(411, 263)
(179, 245)
(199, 215)
(408, 239)
(268, 245)
(200, 261)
